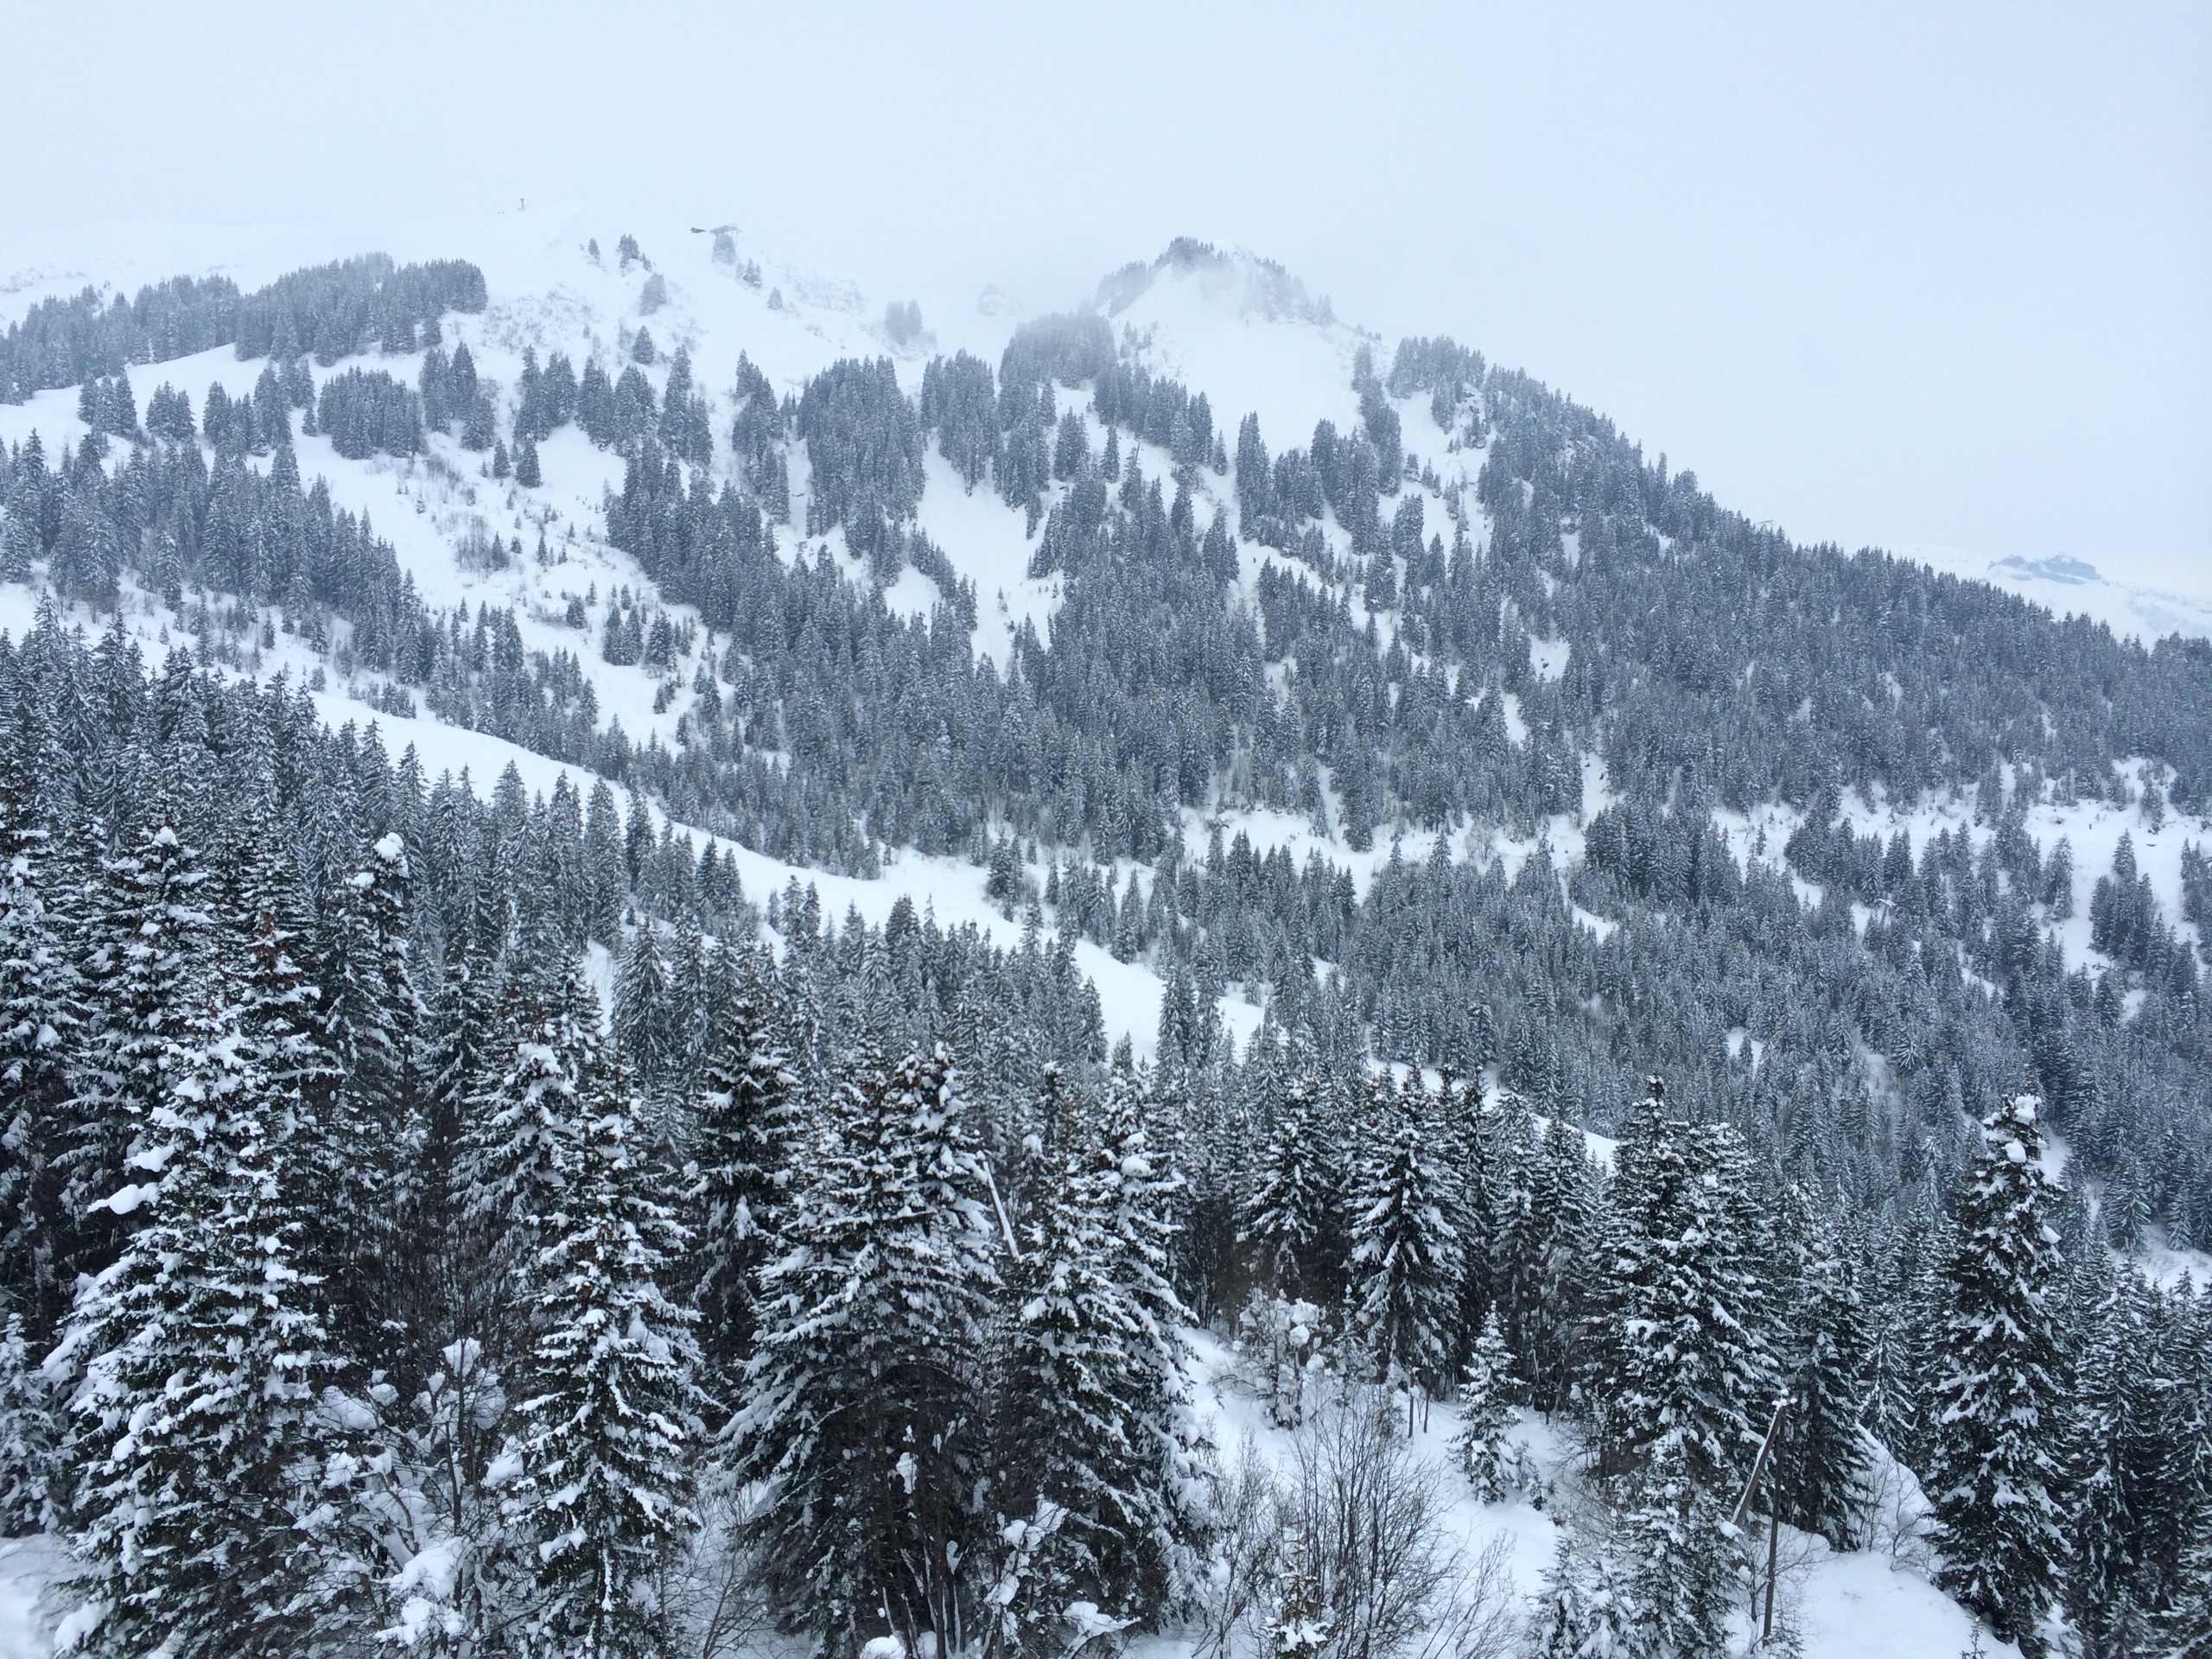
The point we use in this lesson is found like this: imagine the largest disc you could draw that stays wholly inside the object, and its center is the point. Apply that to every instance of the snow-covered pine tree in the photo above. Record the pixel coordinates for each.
(148, 944)
(1587, 1608)
(1089, 1392)
(744, 1119)
(1553, 1301)
(1824, 1460)
(38, 1023)
(1291, 1219)
(1996, 1474)
(1682, 1355)
(1491, 1141)
(370, 1009)
(1299, 1626)
(367, 1019)
(2175, 1467)
(2183, 1627)
(1681, 1583)
(1060, 1442)
(2130, 1477)
(449, 1048)
(1908, 1302)
(868, 1406)
(512, 1177)
(1405, 1251)
(1485, 1412)
(706, 972)
(31, 1475)
(335, 1165)
(642, 1023)
(1132, 1191)
(610, 1412)
(198, 1440)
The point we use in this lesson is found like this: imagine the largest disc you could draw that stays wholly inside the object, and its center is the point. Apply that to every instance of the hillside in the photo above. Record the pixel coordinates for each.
(1190, 670)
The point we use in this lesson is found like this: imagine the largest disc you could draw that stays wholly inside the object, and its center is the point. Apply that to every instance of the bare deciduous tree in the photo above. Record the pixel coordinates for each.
(1246, 1525)
(1369, 1511)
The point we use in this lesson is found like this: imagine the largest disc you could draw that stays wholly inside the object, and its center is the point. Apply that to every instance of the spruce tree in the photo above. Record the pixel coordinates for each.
(1682, 1583)
(365, 1021)
(641, 1006)
(1824, 1461)
(2184, 1628)
(32, 1478)
(1405, 1251)
(1682, 1357)
(1485, 1412)
(450, 1044)
(1551, 1302)
(1998, 1394)
(1090, 1381)
(198, 1440)
(868, 1407)
(1291, 1219)
(746, 1116)
(1586, 1609)
(610, 1420)
(39, 1024)
(512, 1176)
(149, 939)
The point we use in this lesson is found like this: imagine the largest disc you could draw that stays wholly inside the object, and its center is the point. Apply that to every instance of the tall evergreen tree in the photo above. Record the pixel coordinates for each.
(868, 1407)
(1824, 1461)
(642, 1007)
(1682, 1583)
(450, 1046)
(1553, 1293)
(151, 937)
(1291, 1216)
(2183, 1629)
(1996, 1477)
(1485, 1412)
(512, 1176)
(40, 1025)
(1683, 1356)
(1086, 1418)
(746, 1117)
(610, 1417)
(198, 1440)
(1405, 1251)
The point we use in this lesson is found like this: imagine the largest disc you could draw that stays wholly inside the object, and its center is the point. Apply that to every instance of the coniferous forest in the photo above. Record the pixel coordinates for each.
(441, 1216)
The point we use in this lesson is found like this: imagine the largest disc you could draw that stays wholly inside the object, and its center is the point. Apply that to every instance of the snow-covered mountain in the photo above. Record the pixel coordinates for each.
(1503, 757)
(1235, 327)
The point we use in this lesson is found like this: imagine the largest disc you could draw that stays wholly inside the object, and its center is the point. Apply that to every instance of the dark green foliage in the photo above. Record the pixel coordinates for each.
(960, 403)
(332, 310)
(1997, 1479)
(365, 412)
(864, 443)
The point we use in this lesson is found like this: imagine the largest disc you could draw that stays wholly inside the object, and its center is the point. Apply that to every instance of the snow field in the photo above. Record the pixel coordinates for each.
(1211, 328)
(1854, 1604)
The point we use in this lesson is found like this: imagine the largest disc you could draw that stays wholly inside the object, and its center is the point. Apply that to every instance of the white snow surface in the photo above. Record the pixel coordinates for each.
(1854, 1604)
(34, 1599)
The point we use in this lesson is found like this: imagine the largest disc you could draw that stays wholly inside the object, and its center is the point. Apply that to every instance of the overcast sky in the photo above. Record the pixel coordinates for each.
(1911, 275)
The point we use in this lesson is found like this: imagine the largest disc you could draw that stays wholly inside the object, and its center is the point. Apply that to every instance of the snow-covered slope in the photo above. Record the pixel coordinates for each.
(1239, 330)
(2070, 586)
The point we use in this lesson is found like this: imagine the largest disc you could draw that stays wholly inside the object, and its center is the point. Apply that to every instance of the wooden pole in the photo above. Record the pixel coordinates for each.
(1773, 1523)
(1759, 1463)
